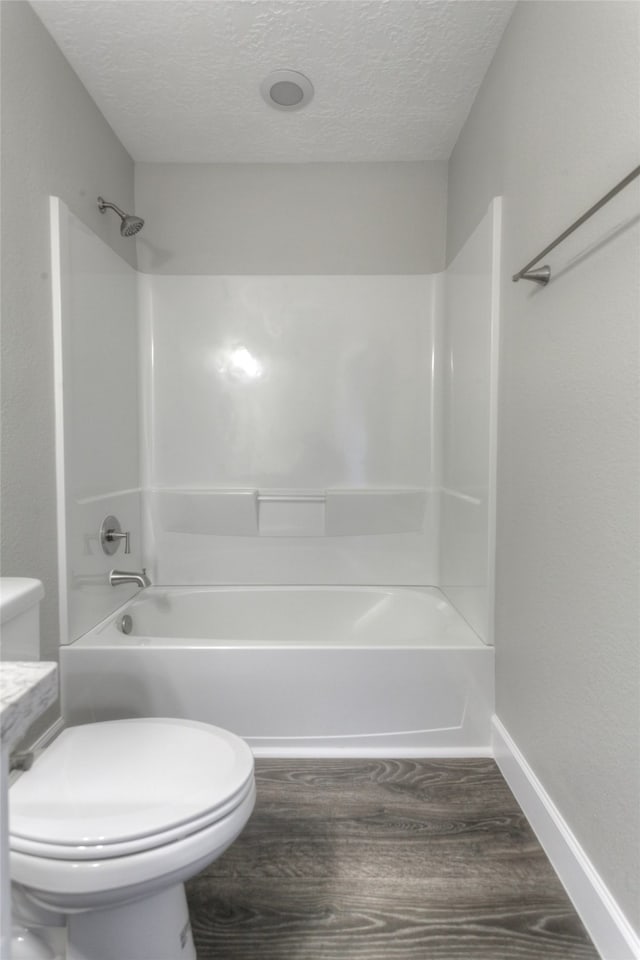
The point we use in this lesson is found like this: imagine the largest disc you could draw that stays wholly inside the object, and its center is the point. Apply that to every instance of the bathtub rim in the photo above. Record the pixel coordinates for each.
(100, 636)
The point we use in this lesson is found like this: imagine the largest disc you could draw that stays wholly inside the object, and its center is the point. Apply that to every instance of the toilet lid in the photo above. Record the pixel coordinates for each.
(115, 782)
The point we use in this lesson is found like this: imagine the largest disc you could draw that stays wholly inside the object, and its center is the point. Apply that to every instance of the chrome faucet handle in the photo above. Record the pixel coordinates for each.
(111, 533)
(112, 536)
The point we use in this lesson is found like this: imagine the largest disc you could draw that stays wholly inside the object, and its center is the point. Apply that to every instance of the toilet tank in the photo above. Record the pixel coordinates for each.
(20, 618)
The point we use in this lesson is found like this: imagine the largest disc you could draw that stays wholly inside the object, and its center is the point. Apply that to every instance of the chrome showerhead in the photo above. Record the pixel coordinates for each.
(130, 223)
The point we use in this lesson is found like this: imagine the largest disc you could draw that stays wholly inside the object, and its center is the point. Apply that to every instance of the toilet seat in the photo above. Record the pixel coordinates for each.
(53, 851)
(85, 884)
(108, 790)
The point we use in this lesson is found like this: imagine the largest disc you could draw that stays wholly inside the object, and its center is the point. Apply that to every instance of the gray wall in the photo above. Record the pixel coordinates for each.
(300, 218)
(554, 126)
(54, 141)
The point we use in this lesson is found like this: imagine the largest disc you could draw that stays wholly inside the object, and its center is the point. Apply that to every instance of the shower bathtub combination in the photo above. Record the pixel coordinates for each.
(299, 671)
(289, 396)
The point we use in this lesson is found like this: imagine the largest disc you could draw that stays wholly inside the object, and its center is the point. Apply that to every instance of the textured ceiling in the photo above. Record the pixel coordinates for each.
(178, 80)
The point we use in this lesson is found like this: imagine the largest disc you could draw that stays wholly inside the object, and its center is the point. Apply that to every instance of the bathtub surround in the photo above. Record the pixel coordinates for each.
(291, 434)
(299, 391)
(54, 141)
(360, 413)
(469, 364)
(97, 416)
(554, 126)
(264, 263)
(291, 425)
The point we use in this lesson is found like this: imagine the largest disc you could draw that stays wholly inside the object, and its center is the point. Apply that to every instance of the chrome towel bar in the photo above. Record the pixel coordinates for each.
(542, 275)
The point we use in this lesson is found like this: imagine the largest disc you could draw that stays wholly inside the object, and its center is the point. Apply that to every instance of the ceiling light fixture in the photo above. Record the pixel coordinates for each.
(286, 90)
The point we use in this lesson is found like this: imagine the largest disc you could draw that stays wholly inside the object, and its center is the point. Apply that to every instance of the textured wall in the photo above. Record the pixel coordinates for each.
(54, 141)
(554, 126)
(315, 218)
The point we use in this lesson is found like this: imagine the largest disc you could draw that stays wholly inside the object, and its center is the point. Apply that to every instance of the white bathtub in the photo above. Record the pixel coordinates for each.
(304, 671)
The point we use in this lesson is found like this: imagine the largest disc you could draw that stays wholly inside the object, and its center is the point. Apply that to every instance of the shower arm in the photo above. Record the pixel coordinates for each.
(107, 205)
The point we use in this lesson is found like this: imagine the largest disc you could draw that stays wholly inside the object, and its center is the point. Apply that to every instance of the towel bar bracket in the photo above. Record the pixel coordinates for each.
(540, 275)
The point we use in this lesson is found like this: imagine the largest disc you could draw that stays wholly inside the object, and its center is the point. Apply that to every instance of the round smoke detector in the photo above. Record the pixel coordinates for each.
(286, 90)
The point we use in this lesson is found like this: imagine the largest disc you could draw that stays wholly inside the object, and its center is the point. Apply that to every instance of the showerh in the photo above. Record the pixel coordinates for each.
(130, 223)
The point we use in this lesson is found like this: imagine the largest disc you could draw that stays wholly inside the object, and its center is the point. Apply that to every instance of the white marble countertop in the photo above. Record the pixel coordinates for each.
(26, 690)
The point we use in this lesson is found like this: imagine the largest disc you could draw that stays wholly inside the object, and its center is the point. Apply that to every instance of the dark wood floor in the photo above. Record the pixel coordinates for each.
(384, 860)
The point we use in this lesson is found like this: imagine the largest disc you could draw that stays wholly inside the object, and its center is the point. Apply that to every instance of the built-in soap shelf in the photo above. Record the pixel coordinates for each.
(247, 512)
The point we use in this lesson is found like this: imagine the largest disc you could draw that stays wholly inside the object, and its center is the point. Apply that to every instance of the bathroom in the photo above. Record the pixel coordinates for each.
(265, 399)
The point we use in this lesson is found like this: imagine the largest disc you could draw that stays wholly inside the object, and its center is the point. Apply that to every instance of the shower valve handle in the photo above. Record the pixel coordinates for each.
(112, 536)
(111, 533)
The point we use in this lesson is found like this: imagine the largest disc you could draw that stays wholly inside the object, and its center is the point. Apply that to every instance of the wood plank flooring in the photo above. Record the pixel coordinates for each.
(384, 860)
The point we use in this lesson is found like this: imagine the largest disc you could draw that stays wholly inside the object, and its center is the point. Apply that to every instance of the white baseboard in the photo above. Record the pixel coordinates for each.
(607, 926)
(302, 751)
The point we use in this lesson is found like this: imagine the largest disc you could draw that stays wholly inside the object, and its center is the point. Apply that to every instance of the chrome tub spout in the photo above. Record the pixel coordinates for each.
(129, 576)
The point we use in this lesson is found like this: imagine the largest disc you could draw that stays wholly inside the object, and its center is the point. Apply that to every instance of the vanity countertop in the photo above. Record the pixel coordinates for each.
(27, 688)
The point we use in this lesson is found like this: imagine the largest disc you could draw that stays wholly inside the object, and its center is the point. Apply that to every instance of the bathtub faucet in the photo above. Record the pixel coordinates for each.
(129, 576)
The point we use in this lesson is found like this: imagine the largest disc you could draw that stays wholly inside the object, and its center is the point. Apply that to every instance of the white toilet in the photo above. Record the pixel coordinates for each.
(110, 821)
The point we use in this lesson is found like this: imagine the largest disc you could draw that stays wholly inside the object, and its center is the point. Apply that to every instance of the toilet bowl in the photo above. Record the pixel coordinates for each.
(113, 818)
